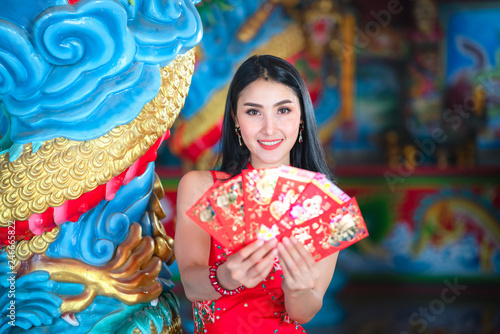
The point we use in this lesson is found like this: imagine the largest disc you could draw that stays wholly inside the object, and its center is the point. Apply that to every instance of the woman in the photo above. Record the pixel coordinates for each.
(269, 121)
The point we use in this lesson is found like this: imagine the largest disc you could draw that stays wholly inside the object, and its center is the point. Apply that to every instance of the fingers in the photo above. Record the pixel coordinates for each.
(295, 253)
(286, 259)
(256, 249)
(252, 263)
(262, 268)
(298, 265)
(246, 251)
(248, 256)
(261, 252)
(304, 254)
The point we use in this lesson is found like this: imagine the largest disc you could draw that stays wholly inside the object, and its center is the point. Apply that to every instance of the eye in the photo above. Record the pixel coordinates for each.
(283, 111)
(252, 112)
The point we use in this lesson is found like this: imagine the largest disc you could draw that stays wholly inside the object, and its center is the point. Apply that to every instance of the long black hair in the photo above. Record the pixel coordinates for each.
(306, 155)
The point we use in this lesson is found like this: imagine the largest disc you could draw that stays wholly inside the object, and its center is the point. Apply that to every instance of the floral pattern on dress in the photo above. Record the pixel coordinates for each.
(221, 315)
(227, 313)
(224, 254)
(276, 266)
(285, 318)
(203, 314)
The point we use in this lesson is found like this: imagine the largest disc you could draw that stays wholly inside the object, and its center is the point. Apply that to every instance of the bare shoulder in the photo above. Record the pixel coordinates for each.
(194, 184)
(192, 243)
(197, 179)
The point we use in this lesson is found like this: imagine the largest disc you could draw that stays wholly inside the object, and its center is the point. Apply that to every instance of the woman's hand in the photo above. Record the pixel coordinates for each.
(299, 269)
(249, 266)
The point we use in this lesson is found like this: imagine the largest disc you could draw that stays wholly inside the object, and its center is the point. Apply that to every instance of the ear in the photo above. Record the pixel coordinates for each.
(235, 119)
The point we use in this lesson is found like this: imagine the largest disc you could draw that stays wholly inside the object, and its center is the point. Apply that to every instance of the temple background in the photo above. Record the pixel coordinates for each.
(407, 96)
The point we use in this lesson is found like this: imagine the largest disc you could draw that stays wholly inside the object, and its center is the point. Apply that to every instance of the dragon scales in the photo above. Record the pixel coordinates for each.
(88, 91)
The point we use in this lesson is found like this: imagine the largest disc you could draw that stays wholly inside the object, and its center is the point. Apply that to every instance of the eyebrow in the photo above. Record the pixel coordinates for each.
(251, 104)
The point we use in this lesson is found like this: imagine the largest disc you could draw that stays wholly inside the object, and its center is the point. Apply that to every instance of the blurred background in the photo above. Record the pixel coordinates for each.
(407, 98)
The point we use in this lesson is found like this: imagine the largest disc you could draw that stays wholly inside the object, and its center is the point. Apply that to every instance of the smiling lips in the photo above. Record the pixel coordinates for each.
(270, 144)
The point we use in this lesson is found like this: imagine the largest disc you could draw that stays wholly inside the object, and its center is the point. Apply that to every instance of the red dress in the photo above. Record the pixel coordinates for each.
(257, 310)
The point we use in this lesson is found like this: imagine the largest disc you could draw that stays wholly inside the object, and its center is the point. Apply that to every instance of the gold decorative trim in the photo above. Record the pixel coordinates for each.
(39, 244)
(164, 244)
(130, 276)
(174, 328)
(64, 169)
(158, 187)
(284, 45)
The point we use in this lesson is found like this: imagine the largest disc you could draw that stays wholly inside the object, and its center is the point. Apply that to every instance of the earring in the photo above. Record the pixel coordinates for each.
(237, 130)
(300, 132)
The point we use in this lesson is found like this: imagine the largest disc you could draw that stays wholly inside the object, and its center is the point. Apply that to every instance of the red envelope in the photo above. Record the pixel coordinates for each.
(290, 184)
(204, 215)
(258, 189)
(319, 196)
(331, 231)
(226, 200)
(329, 187)
(268, 194)
(278, 202)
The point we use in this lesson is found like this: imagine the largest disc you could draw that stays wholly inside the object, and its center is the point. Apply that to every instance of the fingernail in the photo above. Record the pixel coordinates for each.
(286, 241)
(293, 240)
(280, 246)
(273, 242)
(260, 242)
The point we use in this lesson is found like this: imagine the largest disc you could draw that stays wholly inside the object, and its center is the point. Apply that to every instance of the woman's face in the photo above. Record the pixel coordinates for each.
(268, 114)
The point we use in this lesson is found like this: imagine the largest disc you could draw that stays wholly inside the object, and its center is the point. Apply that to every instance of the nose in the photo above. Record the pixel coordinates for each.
(269, 127)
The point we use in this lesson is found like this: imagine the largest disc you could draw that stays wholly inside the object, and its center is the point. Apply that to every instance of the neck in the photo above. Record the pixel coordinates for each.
(260, 164)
